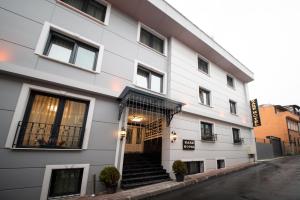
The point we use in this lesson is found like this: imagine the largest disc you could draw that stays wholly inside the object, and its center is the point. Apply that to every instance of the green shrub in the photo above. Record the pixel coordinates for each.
(109, 175)
(179, 167)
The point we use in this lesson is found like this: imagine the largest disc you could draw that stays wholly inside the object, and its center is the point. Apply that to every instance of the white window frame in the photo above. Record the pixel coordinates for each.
(42, 42)
(210, 97)
(151, 68)
(221, 158)
(208, 64)
(147, 28)
(233, 79)
(21, 107)
(196, 159)
(48, 173)
(105, 3)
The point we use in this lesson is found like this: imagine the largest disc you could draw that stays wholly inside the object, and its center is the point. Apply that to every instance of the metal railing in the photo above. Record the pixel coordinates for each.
(42, 135)
(209, 137)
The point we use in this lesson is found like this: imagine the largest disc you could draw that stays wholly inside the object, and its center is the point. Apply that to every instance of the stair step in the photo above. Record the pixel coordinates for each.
(139, 184)
(136, 170)
(145, 178)
(138, 166)
(143, 173)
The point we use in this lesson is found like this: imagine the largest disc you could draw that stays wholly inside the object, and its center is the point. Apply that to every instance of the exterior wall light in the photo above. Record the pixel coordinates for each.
(122, 133)
(173, 136)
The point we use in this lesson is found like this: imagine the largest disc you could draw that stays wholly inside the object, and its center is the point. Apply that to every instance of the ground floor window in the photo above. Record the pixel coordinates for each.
(194, 167)
(65, 182)
(220, 163)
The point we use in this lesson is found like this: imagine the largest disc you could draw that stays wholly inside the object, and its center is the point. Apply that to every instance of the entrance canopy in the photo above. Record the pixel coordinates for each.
(134, 98)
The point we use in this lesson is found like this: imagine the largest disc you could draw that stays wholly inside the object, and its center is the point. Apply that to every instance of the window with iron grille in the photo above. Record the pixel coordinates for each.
(92, 8)
(207, 132)
(232, 105)
(151, 40)
(230, 81)
(204, 96)
(65, 182)
(236, 136)
(194, 167)
(52, 121)
(68, 50)
(202, 65)
(149, 79)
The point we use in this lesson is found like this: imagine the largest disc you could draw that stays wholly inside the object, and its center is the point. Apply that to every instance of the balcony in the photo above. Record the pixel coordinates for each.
(209, 137)
(50, 136)
(238, 141)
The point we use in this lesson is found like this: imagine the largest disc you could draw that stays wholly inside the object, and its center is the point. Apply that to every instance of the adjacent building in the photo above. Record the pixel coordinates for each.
(90, 83)
(280, 123)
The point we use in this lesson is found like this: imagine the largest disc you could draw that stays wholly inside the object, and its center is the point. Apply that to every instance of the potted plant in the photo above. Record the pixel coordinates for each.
(179, 169)
(110, 177)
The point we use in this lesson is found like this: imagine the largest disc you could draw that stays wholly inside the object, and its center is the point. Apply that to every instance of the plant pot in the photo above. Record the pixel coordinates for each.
(111, 188)
(179, 177)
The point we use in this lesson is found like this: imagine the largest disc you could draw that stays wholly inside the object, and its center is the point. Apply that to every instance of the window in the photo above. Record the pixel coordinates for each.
(207, 132)
(230, 81)
(92, 8)
(236, 136)
(232, 105)
(149, 79)
(151, 40)
(202, 65)
(194, 167)
(65, 49)
(220, 164)
(65, 182)
(52, 121)
(139, 135)
(129, 136)
(204, 96)
(293, 125)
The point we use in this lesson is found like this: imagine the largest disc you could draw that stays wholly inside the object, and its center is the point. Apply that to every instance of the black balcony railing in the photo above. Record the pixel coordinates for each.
(238, 141)
(209, 137)
(42, 135)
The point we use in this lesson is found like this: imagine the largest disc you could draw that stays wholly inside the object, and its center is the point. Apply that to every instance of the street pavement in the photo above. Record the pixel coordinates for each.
(273, 180)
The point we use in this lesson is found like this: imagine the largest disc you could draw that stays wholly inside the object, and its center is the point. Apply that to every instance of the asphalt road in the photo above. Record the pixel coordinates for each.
(275, 180)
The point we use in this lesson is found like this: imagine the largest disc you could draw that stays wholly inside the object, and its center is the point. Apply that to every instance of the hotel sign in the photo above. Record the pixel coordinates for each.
(255, 113)
(188, 144)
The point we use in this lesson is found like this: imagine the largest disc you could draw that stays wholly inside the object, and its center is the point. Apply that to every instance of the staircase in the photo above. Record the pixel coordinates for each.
(142, 169)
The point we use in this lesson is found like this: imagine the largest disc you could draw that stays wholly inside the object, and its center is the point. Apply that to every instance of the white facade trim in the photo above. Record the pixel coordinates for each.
(48, 172)
(141, 25)
(41, 45)
(151, 68)
(22, 104)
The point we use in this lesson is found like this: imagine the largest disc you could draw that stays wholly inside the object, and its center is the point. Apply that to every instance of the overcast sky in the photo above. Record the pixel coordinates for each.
(262, 34)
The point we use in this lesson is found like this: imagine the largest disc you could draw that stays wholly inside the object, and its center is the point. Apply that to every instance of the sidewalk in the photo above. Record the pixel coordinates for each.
(159, 188)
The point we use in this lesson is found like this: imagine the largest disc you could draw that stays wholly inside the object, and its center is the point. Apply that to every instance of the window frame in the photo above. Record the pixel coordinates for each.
(205, 60)
(45, 37)
(239, 135)
(209, 96)
(103, 2)
(187, 163)
(233, 81)
(155, 33)
(147, 67)
(21, 109)
(48, 173)
(224, 163)
(231, 102)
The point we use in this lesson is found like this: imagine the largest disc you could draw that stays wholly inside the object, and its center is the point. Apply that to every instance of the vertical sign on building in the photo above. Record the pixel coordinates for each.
(255, 113)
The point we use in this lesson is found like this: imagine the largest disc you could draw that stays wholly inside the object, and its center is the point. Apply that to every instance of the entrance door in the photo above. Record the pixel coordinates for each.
(276, 143)
(135, 139)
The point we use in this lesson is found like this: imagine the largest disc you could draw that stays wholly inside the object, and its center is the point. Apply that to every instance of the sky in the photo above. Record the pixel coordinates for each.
(264, 35)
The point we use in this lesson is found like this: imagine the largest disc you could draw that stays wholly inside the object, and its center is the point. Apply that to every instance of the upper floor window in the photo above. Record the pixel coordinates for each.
(202, 65)
(68, 50)
(236, 136)
(232, 105)
(230, 81)
(204, 96)
(292, 125)
(152, 40)
(207, 132)
(149, 79)
(52, 121)
(92, 8)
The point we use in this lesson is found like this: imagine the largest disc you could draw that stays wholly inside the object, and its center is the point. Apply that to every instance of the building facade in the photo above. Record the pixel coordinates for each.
(282, 122)
(74, 75)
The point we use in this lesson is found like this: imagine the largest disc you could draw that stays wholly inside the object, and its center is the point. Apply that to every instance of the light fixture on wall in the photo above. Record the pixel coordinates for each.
(122, 133)
(137, 118)
(173, 136)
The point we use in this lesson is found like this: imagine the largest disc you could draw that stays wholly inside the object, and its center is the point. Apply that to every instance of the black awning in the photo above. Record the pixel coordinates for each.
(134, 98)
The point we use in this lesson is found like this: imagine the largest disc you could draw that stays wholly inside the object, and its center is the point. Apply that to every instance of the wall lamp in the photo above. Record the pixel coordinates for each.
(173, 136)
(122, 133)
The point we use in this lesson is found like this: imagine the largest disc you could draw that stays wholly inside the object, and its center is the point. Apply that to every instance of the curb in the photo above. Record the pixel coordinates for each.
(164, 187)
